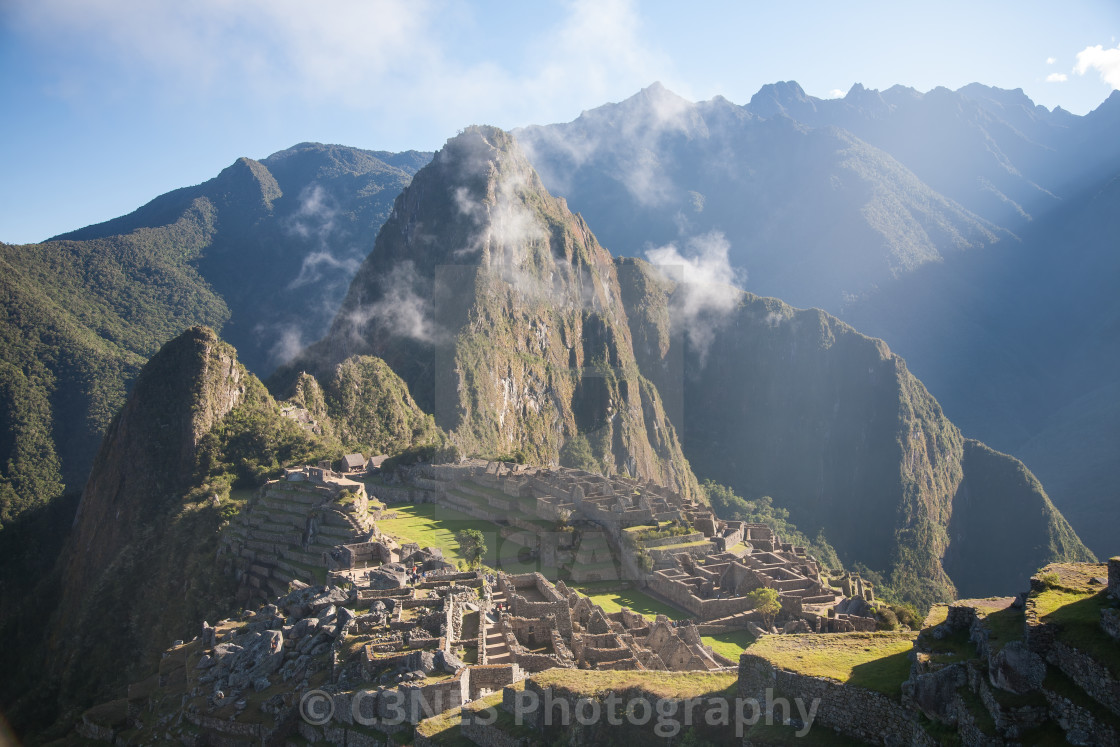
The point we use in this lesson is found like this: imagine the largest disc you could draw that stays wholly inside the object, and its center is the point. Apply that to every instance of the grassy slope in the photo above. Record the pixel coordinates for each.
(78, 321)
(876, 661)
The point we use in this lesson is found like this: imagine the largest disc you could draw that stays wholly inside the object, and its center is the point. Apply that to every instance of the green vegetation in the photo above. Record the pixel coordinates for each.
(765, 602)
(730, 644)
(893, 616)
(472, 546)
(372, 409)
(78, 321)
(254, 442)
(657, 684)
(431, 525)
(576, 453)
(875, 661)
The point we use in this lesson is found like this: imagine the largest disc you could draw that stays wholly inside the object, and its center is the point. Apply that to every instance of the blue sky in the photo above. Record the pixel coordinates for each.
(109, 103)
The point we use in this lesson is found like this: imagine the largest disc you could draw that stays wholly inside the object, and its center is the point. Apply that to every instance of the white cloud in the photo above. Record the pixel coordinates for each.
(365, 55)
(706, 290)
(1104, 61)
(1057, 78)
(1051, 60)
(836, 93)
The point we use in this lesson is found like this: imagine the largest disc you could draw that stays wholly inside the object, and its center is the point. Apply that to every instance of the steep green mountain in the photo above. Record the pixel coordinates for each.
(265, 251)
(796, 405)
(1022, 348)
(289, 233)
(142, 563)
(151, 513)
(502, 313)
(79, 318)
(971, 229)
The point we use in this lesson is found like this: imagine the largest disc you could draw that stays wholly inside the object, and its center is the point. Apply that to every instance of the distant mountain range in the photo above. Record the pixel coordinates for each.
(265, 251)
(970, 229)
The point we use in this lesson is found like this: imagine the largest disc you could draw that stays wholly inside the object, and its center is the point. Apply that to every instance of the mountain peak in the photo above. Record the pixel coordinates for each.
(785, 97)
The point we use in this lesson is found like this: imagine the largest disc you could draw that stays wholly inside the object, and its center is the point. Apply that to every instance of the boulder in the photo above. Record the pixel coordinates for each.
(1016, 668)
(796, 626)
(934, 693)
(328, 598)
(755, 630)
(304, 627)
(448, 662)
(423, 661)
(388, 576)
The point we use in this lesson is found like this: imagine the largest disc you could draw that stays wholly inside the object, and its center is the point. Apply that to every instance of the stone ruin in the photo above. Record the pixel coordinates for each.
(310, 522)
(704, 565)
(714, 587)
(549, 625)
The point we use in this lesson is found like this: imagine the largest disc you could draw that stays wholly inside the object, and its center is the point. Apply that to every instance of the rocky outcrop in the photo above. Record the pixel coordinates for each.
(150, 448)
(143, 564)
(503, 315)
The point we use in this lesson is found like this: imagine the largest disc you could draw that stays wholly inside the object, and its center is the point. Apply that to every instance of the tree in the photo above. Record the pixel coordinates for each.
(765, 601)
(472, 546)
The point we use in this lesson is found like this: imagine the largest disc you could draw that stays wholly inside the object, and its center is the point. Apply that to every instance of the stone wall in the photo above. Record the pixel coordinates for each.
(1088, 674)
(1114, 576)
(423, 701)
(853, 711)
(1078, 722)
(521, 607)
(493, 677)
(488, 736)
(680, 594)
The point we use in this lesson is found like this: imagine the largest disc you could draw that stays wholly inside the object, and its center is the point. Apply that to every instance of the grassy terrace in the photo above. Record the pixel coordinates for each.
(1074, 606)
(431, 525)
(658, 684)
(680, 546)
(729, 644)
(444, 728)
(643, 604)
(876, 661)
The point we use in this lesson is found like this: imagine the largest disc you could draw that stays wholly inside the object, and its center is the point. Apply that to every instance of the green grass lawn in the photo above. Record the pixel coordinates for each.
(876, 661)
(729, 644)
(431, 525)
(643, 604)
(658, 684)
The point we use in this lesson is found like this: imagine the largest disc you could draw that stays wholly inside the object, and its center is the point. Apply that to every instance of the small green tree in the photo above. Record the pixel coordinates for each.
(576, 453)
(472, 546)
(766, 602)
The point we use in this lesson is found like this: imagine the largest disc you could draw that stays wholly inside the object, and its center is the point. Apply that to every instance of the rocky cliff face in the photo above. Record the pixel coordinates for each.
(142, 565)
(149, 451)
(503, 314)
(797, 405)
